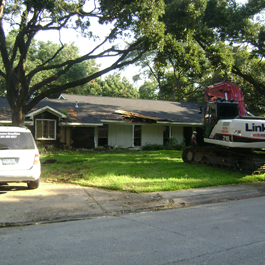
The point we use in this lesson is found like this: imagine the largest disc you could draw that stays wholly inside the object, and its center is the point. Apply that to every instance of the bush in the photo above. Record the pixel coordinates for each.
(152, 147)
(171, 144)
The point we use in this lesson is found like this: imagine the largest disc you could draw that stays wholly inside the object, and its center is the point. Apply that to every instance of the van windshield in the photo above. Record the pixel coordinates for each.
(16, 140)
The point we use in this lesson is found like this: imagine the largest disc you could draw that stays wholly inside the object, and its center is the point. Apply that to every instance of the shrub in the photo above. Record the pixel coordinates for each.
(171, 144)
(152, 147)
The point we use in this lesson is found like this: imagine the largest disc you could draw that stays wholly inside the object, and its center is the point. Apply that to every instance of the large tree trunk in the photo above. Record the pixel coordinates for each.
(15, 97)
(18, 117)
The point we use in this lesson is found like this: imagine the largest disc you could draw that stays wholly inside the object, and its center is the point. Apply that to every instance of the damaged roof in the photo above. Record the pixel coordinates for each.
(94, 109)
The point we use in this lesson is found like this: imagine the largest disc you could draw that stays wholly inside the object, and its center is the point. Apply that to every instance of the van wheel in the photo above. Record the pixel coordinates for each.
(34, 184)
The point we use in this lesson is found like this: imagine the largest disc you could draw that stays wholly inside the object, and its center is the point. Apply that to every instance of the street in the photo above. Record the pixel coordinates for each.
(222, 233)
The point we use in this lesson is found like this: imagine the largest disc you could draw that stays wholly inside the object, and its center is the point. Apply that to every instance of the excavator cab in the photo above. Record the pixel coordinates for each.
(218, 110)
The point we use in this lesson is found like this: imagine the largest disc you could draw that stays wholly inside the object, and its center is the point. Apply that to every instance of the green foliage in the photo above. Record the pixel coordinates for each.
(114, 85)
(148, 90)
(200, 45)
(40, 4)
(153, 147)
(64, 111)
(141, 16)
(171, 144)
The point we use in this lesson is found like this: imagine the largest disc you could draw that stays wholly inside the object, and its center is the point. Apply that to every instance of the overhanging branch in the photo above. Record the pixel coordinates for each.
(86, 57)
(61, 88)
(70, 63)
(257, 85)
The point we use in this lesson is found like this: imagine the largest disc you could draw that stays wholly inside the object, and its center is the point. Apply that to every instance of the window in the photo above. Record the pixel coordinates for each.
(45, 129)
(16, 140)
(210, 116)
(103, 135)
(228, 111)
(137, 135)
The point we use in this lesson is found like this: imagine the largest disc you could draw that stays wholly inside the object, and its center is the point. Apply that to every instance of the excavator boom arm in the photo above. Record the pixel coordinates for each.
(228, 91)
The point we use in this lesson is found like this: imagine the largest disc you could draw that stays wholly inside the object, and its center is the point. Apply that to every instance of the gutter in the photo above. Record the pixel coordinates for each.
(71, 124)
(181, 123)
(30, 123)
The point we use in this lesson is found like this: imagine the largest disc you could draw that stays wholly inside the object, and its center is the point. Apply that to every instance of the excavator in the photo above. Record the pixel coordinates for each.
(232, 136)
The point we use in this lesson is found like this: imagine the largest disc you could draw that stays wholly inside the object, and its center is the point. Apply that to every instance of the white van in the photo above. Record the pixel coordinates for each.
(19, 157)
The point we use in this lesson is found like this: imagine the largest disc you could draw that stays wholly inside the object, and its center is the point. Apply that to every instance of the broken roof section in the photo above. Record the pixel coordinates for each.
(136, 117)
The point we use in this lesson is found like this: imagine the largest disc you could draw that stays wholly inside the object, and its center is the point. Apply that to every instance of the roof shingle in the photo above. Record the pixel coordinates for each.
(93, 109)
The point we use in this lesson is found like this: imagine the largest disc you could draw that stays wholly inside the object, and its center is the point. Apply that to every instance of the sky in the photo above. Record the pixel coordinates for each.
(85, 45)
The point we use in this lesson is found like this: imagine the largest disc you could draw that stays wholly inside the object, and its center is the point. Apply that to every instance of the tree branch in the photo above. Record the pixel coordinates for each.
(61, 88)
(87, 56)
(257, 85)
(70, 63)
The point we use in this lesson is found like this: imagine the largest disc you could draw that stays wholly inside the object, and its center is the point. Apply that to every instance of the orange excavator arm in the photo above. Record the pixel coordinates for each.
(228, 91)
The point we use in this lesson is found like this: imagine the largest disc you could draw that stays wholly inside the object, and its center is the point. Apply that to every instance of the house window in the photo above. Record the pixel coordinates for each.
(45, 130)
(137, 135)
(165, 134)
(103, 135)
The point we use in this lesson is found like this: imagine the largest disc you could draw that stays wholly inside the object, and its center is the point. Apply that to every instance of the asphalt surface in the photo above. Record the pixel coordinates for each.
(53, 202)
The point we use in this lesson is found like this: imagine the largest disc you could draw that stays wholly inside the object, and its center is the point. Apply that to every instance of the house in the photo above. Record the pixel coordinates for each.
(91, 121)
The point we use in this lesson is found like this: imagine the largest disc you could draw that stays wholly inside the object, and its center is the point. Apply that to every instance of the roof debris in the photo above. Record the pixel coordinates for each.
(136, 117)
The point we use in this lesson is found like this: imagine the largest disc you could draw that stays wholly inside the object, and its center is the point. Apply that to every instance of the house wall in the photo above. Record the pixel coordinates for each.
(177, 133)
(120, 135)
(152, 134)
(65, 135)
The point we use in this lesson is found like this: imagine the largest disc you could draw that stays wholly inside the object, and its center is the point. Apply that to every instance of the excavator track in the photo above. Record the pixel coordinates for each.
(246, 162)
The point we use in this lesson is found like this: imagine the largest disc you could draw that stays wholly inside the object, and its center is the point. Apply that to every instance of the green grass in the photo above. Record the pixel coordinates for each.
(137, 171)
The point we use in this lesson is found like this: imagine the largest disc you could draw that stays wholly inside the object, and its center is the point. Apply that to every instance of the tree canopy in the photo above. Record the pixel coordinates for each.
(207, 41)
(137, 21)
(194, 41)
(218, 26)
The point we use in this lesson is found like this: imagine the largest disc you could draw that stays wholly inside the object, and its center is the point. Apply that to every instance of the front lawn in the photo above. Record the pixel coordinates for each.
(136, 171)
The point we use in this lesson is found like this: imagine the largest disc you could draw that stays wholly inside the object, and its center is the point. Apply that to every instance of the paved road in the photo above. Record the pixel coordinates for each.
(224, 233)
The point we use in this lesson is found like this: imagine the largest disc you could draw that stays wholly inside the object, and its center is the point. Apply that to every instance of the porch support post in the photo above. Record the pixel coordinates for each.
(132, 135)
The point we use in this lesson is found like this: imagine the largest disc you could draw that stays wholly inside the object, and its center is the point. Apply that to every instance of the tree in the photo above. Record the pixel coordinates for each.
(148, 90)
(155, 71)
(114, 85)
(240, 27)
(38, 54)
(140, 19)
(187, 63)
(217, 26)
